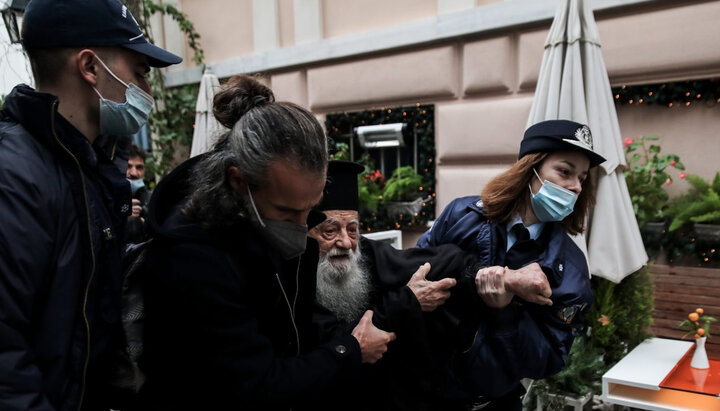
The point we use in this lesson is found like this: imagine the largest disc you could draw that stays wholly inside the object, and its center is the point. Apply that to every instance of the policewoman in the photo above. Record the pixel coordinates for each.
(523, 221)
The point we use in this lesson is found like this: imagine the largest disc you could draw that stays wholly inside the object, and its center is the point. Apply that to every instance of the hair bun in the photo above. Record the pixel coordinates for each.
(239, 95)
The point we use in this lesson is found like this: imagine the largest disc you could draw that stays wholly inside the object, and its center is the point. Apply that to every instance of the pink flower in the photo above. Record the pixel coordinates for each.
(628, 141)
(668, 182)
(672, 163)
(683, 175)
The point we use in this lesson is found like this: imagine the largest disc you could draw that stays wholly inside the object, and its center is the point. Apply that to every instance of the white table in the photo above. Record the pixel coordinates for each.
(635, 380)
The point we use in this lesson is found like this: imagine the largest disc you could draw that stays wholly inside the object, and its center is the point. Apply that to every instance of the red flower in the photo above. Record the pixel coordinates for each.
(668, 182)
(683, 175)
(672, 163)
(628, 141)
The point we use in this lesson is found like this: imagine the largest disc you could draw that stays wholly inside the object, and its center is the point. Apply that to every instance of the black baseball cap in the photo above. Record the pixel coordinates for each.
(78, 23)
(341, 189)
(557, 135)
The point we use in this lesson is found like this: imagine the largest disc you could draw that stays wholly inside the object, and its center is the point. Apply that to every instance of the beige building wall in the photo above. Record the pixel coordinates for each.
(353, 16)
(482, 84)
(225, 27)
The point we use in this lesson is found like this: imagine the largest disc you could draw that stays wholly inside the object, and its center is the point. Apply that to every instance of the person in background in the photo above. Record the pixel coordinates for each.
(524, 221)
(65, 202)
(135, 173)
(230, 274)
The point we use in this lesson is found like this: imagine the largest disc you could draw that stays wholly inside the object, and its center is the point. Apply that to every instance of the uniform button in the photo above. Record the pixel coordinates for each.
(340, 349)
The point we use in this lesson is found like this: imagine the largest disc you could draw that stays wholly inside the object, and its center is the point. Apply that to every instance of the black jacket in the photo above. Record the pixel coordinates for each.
(219, 308)
(411, 375)
(63, 206)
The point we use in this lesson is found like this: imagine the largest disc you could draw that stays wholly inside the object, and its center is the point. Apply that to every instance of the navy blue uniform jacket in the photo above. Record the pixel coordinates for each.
(522, 340)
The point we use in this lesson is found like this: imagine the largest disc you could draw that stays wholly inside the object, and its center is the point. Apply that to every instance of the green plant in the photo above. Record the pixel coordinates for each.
(171, 122)
(622, 313)
(618, 321)
(581, 375)
(403, 185)
(172, 127)
(646, 175)
(700, 205)
(340, 151)
(370, 186)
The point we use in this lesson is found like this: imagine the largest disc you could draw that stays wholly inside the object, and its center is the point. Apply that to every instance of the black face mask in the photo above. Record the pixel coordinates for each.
(288, 238)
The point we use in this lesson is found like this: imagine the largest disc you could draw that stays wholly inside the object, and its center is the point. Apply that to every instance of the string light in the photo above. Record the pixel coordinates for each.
(669, 94)
(422, 117)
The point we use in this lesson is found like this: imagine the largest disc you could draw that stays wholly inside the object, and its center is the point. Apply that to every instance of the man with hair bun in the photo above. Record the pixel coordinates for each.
(65, 202)
(229, 297)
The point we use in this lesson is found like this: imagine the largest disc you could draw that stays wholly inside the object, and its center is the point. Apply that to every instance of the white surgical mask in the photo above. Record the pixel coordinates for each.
(122, 119)
(288, 238)
(552, 202)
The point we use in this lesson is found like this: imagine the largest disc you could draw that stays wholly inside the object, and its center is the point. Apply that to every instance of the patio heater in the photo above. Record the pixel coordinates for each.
(383, 136)
(12, 13)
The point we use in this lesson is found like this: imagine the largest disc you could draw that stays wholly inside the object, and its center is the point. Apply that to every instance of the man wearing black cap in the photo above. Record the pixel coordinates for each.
(65, 201)
(523, 222)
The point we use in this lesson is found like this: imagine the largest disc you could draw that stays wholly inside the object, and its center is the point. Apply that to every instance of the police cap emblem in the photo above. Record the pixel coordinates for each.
(584, 136)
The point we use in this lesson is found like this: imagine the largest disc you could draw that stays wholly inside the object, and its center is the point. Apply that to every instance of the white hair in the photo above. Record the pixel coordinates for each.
(343, 287)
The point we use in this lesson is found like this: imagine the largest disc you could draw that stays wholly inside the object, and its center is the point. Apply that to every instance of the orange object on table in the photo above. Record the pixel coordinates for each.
(685, 378)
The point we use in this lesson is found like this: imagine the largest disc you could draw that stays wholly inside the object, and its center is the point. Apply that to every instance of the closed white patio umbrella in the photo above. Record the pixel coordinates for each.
(207, 128)
(573, 84)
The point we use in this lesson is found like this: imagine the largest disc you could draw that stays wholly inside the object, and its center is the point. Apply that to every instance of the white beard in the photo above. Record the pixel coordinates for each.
(343, 287)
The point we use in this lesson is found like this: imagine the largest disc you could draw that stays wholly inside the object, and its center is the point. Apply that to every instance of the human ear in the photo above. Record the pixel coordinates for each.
(236, 180)
(87, 66)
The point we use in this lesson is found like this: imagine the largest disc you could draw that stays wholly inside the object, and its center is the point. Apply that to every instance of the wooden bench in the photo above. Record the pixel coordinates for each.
(679, 291)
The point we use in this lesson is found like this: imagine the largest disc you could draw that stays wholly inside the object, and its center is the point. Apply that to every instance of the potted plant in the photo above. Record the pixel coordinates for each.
(697, 215)
(700, 205)
(402, 192)
(646, 175)
(370, 187)
(701, 332)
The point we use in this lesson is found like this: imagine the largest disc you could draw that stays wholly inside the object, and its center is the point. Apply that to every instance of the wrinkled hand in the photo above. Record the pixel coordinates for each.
(490, 285)
(373, 341)
(529, 283)
(430, 294)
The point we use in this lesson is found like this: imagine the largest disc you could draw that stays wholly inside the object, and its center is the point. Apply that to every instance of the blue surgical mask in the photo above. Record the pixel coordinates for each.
(122, 119)
(552, 202)
(288, 238)
(135, 185)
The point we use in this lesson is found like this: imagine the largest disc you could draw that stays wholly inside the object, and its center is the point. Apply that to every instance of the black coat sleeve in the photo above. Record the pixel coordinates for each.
(393, 269)
(28, 245)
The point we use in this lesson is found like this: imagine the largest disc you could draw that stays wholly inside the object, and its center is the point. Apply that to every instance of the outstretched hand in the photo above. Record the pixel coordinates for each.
(373, 341)
(430, 294)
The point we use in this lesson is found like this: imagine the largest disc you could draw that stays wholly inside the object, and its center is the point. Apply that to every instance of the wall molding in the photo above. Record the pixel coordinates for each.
(496, 16)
